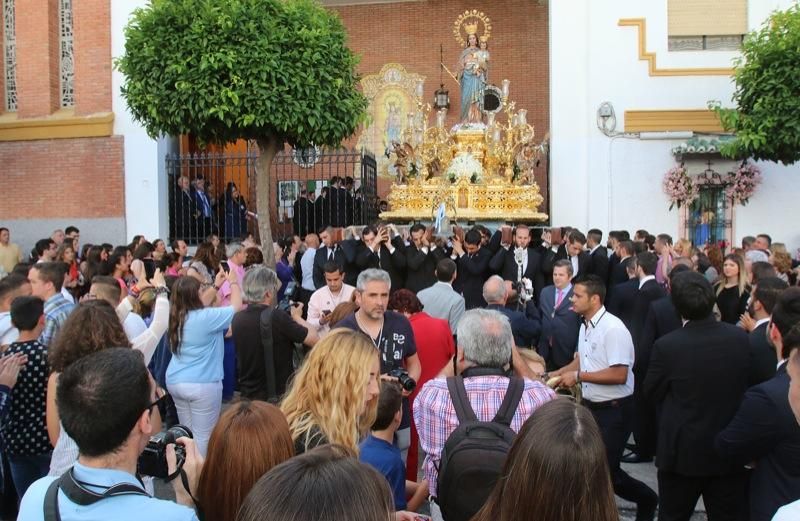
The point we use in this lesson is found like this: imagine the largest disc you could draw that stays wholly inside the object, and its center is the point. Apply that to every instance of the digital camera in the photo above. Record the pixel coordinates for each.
(408, 383)
(153, 460)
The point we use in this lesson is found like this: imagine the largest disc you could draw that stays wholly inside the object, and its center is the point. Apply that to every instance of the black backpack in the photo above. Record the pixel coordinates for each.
(474, 454)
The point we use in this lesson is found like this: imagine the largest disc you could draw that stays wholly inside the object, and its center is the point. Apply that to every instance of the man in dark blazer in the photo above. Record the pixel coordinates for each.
(379, 251)
(525, 326)
(185, 210)
(598, 254)
(698, 375)
(662, 318)
(303, 214)
(560, 324)
(508, 261)
(330, 250)
(473, 268)
(762, 354)
(322, 210)
(422, 255)
(622, 300)
(617, 273)
(765, 430)
(649, 291)
(575, 252)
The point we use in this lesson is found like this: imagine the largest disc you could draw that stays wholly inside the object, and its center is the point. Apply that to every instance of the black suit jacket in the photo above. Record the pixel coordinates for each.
(321, 258)
(765, 431)
(617, 275)
(421, 267)
(524, 326)
(185, 212)
(762, 356)
(560, 328)
(697, 375)
(647, 294)
(472, 273)
(303, 217)
(322, 213)
(662, 318)
(600, 263)
(622, 301)
(392, 263)
(504, 264)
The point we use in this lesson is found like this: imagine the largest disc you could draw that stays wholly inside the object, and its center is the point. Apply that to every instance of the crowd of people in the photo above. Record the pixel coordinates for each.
(382, 371)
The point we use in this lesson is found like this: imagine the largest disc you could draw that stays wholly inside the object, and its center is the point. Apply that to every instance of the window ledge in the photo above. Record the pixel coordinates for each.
(63, 124)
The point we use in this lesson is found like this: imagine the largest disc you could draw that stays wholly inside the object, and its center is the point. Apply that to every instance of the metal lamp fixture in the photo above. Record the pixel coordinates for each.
(441, 98)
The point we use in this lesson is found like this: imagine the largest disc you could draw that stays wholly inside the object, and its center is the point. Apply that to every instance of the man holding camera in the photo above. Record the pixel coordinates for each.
(392, 336)
(105, 401)
(518, 263)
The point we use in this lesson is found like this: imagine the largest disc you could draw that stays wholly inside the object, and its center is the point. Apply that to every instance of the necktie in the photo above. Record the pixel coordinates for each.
(559, 298)
(330, 254)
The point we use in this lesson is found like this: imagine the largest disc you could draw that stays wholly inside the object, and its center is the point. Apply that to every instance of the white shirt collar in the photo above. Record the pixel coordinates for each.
(762, 321)
(593, 249)
(645, 279)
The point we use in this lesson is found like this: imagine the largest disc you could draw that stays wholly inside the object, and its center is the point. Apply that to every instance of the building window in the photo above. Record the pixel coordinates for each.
(9, 56)
(709, 219)
(706, 25)
(67, 56)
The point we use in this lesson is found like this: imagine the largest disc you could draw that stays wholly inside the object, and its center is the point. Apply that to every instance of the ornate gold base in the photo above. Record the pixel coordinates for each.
(493, 199)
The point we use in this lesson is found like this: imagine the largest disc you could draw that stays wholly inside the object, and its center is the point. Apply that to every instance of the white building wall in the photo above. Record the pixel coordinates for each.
(146, 210)
(615, 183)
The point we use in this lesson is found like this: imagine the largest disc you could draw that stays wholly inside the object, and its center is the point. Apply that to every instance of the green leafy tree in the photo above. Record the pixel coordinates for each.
(272, 71)
(766, 121)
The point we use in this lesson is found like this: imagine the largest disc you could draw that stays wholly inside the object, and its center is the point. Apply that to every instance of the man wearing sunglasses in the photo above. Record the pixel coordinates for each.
(105, 401)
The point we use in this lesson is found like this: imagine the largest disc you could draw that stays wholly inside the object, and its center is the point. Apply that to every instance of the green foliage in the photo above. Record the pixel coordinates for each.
(767, 118)
(241, 69)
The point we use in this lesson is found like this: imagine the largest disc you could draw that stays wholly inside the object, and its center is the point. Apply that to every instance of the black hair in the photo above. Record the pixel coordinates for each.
(390, 401)
(595, 234)
(624, 235)
(11, 283)
(577, 236)
(676, 269)
(100, 398)
(472, 237)
(767, 237)
(445, 269)
(761, 270)
(768, 291)
(665, 238)
(648, 262)
(42, 245)
(627, 246)
(786, 317)
(331, 267)
(417, 228)
(594, 285)
(71, 229)
(26, 312)
(692, 295)
(52, 272)
(368, 229)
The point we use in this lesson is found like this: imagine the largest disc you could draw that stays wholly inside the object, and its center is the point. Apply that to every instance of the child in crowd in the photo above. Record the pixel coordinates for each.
(24, 431)
(379, 451)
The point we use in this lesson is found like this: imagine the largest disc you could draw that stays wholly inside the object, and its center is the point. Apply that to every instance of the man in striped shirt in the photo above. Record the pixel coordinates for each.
(46, 279)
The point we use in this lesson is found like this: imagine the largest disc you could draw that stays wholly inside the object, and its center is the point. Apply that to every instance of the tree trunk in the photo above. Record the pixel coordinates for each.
(268, 147)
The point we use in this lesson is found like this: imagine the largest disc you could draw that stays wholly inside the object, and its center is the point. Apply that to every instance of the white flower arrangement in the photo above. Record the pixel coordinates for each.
(464, 165)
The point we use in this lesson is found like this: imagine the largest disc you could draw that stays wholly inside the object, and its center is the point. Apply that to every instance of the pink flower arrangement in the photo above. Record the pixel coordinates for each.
(742, 183)
(679, 187)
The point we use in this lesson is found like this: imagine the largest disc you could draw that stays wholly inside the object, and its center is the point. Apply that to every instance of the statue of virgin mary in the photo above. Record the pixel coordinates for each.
(472, 77)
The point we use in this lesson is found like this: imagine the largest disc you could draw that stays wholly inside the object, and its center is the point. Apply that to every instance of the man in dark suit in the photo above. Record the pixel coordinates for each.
(662, 318)
(381, 252)
(205, 214)
(422, 255)
(614, 238)
(521, 262)
(560, 324)
(598, 254)
(762, 355)
(185, 210)
(618, 275)
(322, 210)
(649, 291)
(525, 326)
(303, 214)
(622, 300)
(473, 268)
(329, 251)
(765, 430)
(698, 375)
(575, 252)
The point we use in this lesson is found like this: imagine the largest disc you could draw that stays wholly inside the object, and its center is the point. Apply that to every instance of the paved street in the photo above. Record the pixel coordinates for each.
(646, 472)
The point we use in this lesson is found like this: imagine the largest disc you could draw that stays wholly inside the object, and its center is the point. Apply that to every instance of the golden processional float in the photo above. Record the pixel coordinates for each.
(482, 168)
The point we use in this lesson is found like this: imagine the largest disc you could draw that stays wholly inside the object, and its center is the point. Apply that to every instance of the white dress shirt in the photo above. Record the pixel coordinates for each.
(307, 268)
(604, 341)
(322, 300)
(574, 260)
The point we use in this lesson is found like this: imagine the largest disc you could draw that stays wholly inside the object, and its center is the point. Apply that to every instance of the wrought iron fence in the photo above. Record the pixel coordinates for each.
(215, 193)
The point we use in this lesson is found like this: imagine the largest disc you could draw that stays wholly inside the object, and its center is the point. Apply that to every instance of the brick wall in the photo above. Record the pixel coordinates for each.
(410, 33)
(62, 178)
(91, 23)
(37, 37)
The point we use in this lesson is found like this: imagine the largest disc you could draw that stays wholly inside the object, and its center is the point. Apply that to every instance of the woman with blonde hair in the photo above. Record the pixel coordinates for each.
(249, 439)
(683, 248)
(334, 396)
(732, 290)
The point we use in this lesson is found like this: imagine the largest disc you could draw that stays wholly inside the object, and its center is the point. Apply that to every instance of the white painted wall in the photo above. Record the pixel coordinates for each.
(615, 183)
(146, 210)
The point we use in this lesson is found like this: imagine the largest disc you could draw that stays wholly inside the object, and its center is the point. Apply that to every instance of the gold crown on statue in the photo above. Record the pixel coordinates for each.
(468, 22)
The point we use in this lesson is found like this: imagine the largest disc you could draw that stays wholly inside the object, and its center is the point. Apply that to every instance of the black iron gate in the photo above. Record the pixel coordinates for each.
(215, 193)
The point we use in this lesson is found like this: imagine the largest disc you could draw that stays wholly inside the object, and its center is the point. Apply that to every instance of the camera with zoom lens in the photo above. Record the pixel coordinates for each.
(153, 460)
(408, 383)
(524, 289)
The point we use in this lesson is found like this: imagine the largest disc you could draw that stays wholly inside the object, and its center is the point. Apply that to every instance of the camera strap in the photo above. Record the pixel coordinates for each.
(77, 493)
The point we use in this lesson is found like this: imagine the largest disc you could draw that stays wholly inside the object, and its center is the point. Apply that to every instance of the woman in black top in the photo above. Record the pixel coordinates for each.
(732, 290)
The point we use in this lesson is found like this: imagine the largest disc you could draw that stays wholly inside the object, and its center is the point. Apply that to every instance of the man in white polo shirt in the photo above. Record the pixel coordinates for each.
(603, 367)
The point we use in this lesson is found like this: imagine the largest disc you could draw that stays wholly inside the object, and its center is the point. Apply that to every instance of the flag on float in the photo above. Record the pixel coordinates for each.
(441, 216)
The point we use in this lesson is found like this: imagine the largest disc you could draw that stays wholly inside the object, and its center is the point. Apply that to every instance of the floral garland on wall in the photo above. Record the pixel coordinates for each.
(682, 189)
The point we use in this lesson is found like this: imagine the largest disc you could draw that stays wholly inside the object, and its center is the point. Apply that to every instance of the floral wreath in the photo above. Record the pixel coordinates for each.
(679, 187)
(743, 182)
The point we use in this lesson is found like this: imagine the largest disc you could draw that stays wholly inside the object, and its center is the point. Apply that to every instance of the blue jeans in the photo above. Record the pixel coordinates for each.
(27, 469)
